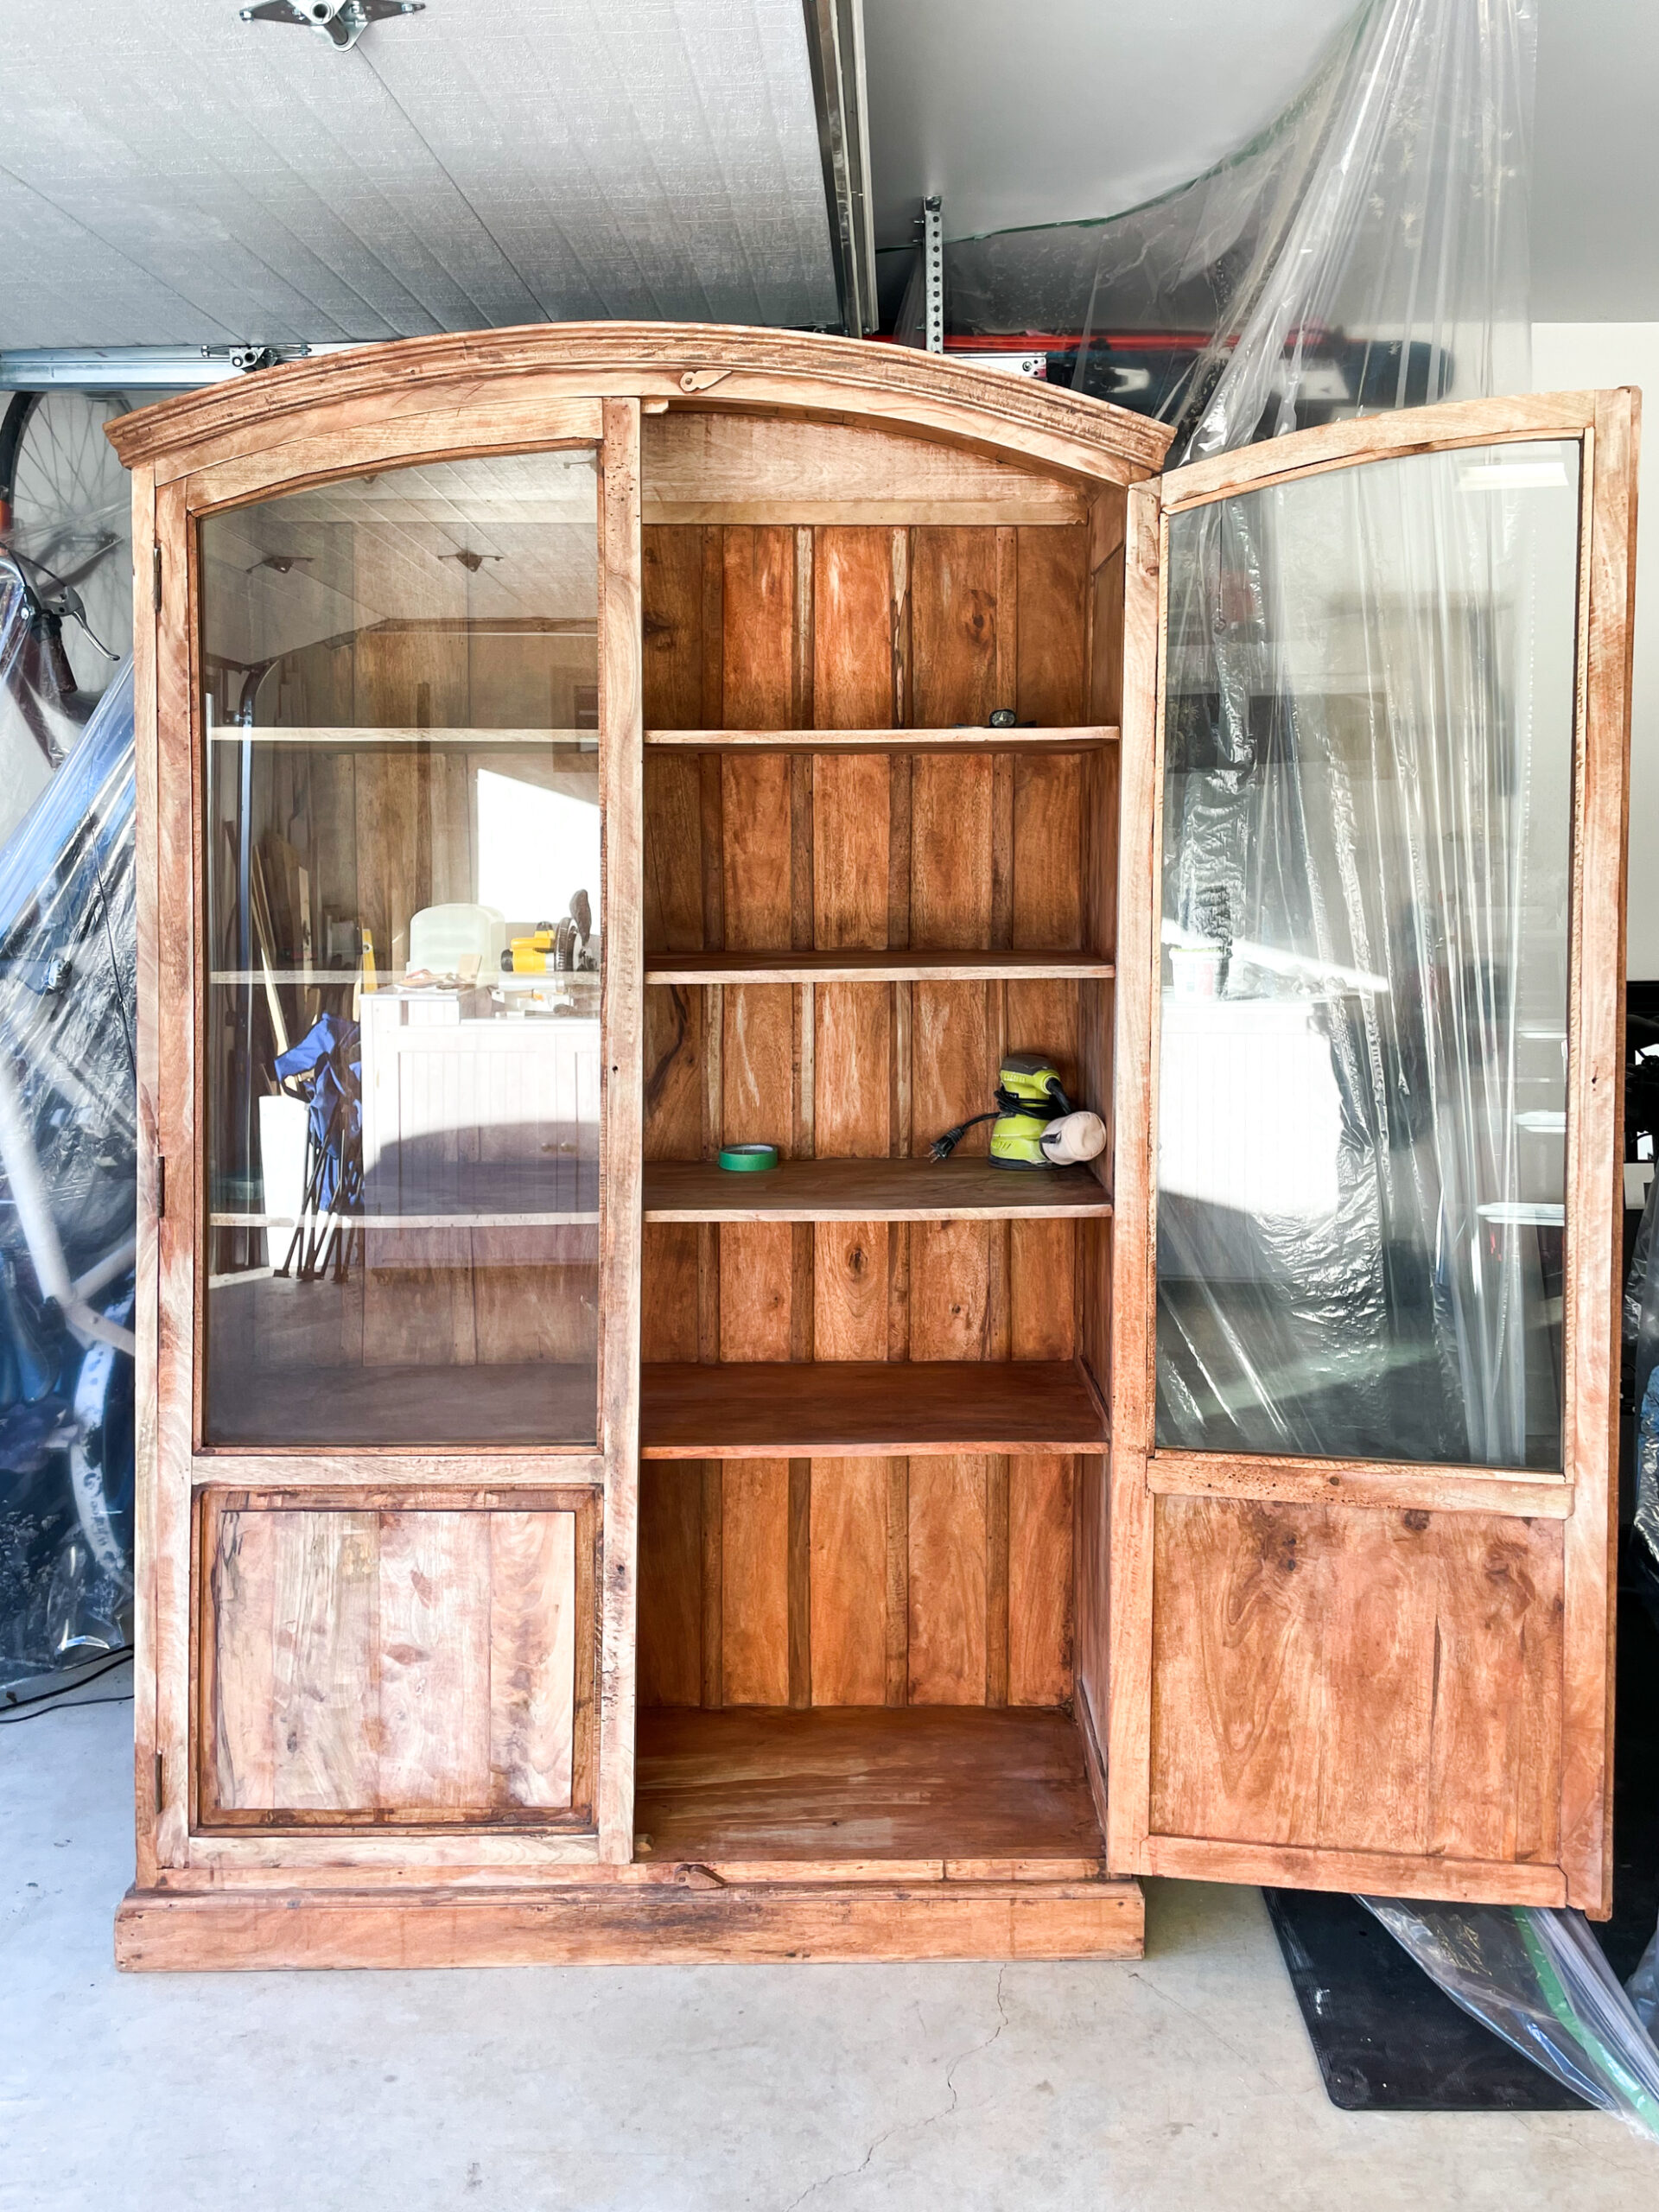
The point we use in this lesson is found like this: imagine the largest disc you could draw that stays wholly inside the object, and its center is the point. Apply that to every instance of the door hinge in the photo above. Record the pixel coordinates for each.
(160, 1799)
(160, 1186)
(155, 577)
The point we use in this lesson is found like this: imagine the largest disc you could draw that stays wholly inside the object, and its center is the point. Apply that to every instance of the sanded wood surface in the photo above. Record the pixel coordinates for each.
(699, 1922)
(398, 1665)
(959, 964)
(1357, 1680)
(1080, 737)
(819, 1409)
(865, 1783)
(869, 1189)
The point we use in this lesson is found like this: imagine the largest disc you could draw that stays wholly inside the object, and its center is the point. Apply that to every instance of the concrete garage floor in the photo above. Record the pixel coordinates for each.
(1184, 2082)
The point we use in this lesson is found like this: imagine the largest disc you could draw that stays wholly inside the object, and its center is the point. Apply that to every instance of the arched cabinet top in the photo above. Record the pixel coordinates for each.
(470, 377)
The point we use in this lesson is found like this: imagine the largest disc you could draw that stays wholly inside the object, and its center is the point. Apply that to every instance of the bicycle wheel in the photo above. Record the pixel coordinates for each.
(65, 503)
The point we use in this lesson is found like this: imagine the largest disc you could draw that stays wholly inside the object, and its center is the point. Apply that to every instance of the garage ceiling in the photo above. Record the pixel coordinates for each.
(1093, 108)
(170, 175)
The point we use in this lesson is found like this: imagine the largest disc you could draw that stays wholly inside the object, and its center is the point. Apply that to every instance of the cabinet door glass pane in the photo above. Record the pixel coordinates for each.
(400, 694)
(1367, 839)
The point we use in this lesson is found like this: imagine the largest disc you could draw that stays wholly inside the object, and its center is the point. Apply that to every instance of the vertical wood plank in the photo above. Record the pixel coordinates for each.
(759, 671)
(433, 1647)
(670, 1582)
(242, 1627)
(671, 594)
(897, 1640)
(800, 1582)
(754, 1582)
(1051, 686)
(996, 1581)
(947, 1505)
(1041, 1513)
(953, 625)
(853, 628)
(532, 1655)
(325, 1686)
(621, 748)
(848, 1591)
(714, 1577)
(1126, 1618)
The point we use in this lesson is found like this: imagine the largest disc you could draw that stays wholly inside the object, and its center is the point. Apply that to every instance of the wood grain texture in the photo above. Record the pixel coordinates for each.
(708, 467)
(1041, 1509)
(670, 1582)
(1595, 1142)
(958, 739)
(924, 964)
(1115, 1531)
(830, 1408)
(848, 1582)
(396, 1664)
(947, 1579)
(662, 1924)
(1356, 1681)
(864, 1782)
(889, 387)
(856, 1189)
(754, 1587)
(621, 798)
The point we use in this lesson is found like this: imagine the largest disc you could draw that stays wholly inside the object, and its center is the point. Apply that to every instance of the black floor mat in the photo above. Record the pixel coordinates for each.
(1388, 2038)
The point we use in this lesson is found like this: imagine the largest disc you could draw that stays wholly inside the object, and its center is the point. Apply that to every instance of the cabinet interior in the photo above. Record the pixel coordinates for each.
(871, 1384)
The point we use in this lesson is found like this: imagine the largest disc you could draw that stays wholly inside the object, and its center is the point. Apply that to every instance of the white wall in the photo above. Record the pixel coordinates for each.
(1576, 357)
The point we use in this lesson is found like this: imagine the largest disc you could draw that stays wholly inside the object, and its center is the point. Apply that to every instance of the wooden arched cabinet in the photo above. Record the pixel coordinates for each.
(553, 1546)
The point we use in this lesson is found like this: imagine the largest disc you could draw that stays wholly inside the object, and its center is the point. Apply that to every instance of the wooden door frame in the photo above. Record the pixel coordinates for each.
(1585, 1497)
(174, 1466)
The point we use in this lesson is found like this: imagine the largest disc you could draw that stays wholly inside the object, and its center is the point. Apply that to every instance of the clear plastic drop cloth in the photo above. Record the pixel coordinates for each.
(68, 1157)
(1642, 1355)
(1367, 250)
(1538, 1978)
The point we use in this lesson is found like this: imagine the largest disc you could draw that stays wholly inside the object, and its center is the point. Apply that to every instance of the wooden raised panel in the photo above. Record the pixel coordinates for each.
(1335, 1678)
(366, 1662)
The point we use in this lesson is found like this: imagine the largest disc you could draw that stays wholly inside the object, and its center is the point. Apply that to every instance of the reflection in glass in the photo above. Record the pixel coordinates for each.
(402, 862)
(1363, 1082)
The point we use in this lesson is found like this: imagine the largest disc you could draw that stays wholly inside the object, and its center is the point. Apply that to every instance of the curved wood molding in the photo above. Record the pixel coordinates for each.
(706, 365)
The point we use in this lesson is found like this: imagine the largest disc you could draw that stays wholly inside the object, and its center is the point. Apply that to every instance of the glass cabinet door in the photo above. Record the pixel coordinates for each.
(1367, 846)
(402, 857)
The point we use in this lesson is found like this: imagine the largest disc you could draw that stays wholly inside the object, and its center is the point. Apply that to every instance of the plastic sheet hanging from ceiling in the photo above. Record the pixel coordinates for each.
(68, 1157)
(1370, 684)
(1367, 250)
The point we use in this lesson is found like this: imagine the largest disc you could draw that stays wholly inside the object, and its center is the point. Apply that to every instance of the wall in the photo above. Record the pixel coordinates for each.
(1576, 357)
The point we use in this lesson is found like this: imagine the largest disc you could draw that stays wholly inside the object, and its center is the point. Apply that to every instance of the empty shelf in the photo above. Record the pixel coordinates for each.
(941, 1783)
(869, 1190)
(1060, 738)
(899, 966)
(838, 1408)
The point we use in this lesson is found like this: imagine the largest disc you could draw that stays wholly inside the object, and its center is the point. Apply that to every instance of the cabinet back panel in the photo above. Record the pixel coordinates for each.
(856, 1581)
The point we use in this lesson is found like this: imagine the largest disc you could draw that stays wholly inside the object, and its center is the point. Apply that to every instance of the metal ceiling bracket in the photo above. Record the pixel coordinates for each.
(834, 45)
(342, 23)
(933, 274)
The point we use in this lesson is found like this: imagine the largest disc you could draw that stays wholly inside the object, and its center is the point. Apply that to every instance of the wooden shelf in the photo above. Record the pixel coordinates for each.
(324, 1222)
(870, 1190)
(296, 1407)
(841, 1409)
(1079, 738)
(913, 1782)
(584, 741)
(859, 967)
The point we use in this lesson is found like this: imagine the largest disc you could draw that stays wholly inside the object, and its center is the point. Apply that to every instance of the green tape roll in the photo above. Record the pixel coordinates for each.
(747, 1159)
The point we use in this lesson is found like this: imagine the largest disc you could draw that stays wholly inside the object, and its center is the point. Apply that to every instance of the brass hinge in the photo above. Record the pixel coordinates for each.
(155, 577)
(160, 1186)
(160, 1795)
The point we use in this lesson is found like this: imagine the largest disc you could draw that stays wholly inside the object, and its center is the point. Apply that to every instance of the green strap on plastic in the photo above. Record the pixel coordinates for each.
(747, 1159)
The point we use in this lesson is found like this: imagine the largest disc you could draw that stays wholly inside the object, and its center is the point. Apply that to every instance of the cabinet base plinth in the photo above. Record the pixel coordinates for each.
(607, 1924)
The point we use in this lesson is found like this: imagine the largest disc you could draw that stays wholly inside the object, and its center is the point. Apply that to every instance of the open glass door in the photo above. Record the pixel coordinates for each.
(1375, 730)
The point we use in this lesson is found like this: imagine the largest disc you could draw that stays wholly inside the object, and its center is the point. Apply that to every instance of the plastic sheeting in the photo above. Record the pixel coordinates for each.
(67, 1207)
(1369, 250)
(1539, 1980)
(1642, 1351)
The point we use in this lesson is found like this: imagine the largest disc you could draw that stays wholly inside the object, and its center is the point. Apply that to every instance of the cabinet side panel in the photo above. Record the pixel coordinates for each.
(1347, 1678)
